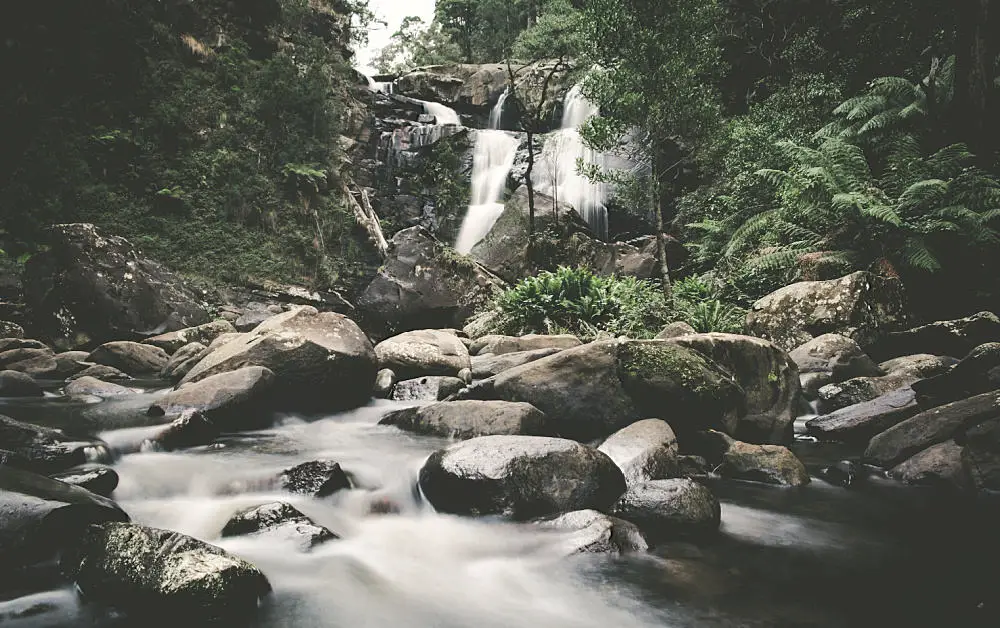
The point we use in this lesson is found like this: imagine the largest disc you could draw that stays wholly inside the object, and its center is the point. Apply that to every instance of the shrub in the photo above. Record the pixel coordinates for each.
(700, 304)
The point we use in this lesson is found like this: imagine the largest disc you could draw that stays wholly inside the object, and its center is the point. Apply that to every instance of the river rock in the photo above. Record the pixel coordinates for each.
(930, 427)
(676, 330)
(424, 284)
(38, 363)
(489, 364)
(469, 419)
(901, 373)
(39, 516)
(666, 509)
(981, 454)
(976, 373)
(40, 449)
(767, 375)
(592, 532)
(954, 338)
(860, 306)
(278, 520)
(17, 384)
(70, 363)
(771, 464)
(434, 388)
(500, 345)
(101, 372)
(86, 386)
(834, 356)
(203, 334)
(96, 478)
(318, 478)
(385, 381)
(223, 339)
(9, 344)
(320, 360)
(190, 429)
(691, 466)
(133, 358)
(857, 424)
(938, 465)
(164, 575)
(519, 476)
(232, 400)
(423, 352)
(183, 360)
(645, 450)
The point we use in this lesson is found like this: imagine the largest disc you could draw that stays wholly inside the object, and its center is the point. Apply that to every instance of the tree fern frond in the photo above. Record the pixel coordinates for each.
(923, 192)
(919, 256)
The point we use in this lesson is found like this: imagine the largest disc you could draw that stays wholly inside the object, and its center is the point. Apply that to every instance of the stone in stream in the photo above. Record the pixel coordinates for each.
(645, 450)
(858, 423)
(666, 509)
(901, 372)
(190, 429)
(844, 473)
(278, 520)
(955, 337)
(9, 344)
(488, 365)
(432, 388)
(133, 358)
(39, 363)
(385, 381)
(17, 384)
(771, 464)
(501, 345)
(522, 477)
(40, 449)
(976, 373)
(320, 360)
(172, 341)
(101, 372)
(592, 532)
(938, 465)
(39, 516)
(183, 361)
(96, 478)
(86, 385)
(233, 400)
(70, 363)
(469, 419)
(831, 358)
(423, 352)
(318, 478)
(163, 576)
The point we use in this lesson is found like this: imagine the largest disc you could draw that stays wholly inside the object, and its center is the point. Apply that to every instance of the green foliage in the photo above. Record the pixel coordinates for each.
(416, 44)
(559, 32)
(577, 301)
(701, 304)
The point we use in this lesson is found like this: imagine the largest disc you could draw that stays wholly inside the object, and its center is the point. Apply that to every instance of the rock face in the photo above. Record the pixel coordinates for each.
(976, 373)
(319, 360)
(469, 419)
(645, 450)
(278, 520)
(902, 372)
(592, 532)
(17, 384)
(938, 465)
(488, 365)
(857, 424)
(831, 358)
(425, 285)
(39, 449)
(860, 306)
(665, 509)
(423, 352)
(955, 338)
(204, 334)
(433, 388)
(183, 360)
(130, 357)
(87, 385)
(91, 287)
(768, 377)
(771, 464)
(157, 573)
(39, 516)
(234, 400)
(520, 477)
(503, 345)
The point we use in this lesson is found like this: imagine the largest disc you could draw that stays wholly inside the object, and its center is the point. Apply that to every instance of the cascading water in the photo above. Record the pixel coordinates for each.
(442, 113)
(492, 161)
(556, 173)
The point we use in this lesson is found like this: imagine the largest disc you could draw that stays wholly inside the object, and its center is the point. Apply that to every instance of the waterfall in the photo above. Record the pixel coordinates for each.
(556, 174)
(492, 160)
(442, 114)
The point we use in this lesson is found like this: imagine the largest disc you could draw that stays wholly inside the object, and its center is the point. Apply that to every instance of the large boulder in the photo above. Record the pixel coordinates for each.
(17, 384)
(488, 365)
(424, 284)
(36, 362)
(101, 372)
(900, 373)
(70, 363)
(233, 400)
(280, 521)
(665, 509)
(520, 477)
(857, 424)
(502, 345)
(469, 419)
(133, 358)
(91, 386)
(831, 358)
(861, 306)
(40, 449)
(976, 373)
(163, 575)
(91, 288)
(771, 464)
(96, 478)
(430, 388)
(938, 465)
(592, 532)
(930, 427)
(645, 450)
(423, 352)
(183, 361)
(39, 516)
(204, 334)
(319, 359)
(955, 338)
(768, 377)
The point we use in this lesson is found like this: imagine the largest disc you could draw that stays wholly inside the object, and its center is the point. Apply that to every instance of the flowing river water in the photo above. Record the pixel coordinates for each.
(821, 555)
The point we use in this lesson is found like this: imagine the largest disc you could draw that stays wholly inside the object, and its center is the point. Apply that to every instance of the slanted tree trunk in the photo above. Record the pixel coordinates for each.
(531, 186)
(975, 71)
(659, 185)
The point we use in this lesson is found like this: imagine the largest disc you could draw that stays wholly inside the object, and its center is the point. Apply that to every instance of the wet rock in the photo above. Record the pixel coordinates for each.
(172, 341)
(101, 372)
(860, 306)
(692, 466)
(976, 373)
(40, 449)
(17, 384)
(857, 424)
(319, 360)
(234, 400)
(902, 373)
(488, 365)
(278, 520)
(981, 454)
(953, 338)
(592, 532)
(771, 464)
(183, 360)
(385, 381)
(465, 375)
(318, 478)
(676, 330)
(133, 358)
(425, 285)
(501, 345)
(435, 388)
(70, 363)
(39, 516)
(96, 478)
(93, 288)
(519, 476)
(39, 363)
(645, 450)
(9, 344)
(86, 386)
(812, 382)
(164, 575)
(423, 352)
(469, 419)
(938, 465)
(766, 374)
(930, 427)
(844, 473)
(666, 509)
(190, 429)
(834, 356)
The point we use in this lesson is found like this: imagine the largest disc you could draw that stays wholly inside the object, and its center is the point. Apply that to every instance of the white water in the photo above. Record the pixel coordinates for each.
(442, 113)
(556, 172)
(492, 161)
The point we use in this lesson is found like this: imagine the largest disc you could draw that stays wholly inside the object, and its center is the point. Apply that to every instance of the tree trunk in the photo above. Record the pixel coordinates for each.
(658, 193)
(975, 94)
(531, 186)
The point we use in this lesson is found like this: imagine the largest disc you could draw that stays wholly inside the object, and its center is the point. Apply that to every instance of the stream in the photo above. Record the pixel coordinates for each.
(879, 554)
